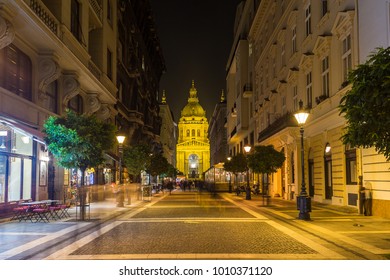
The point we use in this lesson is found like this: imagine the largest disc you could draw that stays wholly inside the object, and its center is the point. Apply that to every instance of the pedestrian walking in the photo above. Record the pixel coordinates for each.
(367, 201)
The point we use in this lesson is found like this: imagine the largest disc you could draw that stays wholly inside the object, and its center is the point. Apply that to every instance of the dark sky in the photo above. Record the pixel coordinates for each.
(196, 37)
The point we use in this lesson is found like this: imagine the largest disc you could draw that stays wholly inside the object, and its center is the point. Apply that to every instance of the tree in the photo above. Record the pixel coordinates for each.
(236, 164)
(78, 141)
(158, 165)
(136, 158)
(265, 160)
(366, 106)
(172, 171)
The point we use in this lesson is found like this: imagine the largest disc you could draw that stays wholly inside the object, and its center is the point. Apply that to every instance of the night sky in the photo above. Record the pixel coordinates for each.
(196, 37)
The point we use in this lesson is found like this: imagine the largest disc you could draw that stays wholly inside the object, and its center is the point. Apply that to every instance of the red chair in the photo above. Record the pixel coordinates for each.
(40, 213)
(64, 210)
(20, 213)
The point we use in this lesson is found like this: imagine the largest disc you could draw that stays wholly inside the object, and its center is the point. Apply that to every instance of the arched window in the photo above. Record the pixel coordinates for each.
(188, 133)
(198, 132)
(193, 133)
(15, 71)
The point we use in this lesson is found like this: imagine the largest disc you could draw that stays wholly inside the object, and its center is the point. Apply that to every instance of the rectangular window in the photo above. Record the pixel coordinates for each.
(109, 64)
(3, 170)
(325, 76)
(283, 55)
(76, 104)
(324, 7)
(294, 40)
(109, 12)
(347, 57)
(309, 90)
(295, 98)
(75, 19)
(15, 179)
(15, 71)
(351, 168)
(308, 20)
(50, 101)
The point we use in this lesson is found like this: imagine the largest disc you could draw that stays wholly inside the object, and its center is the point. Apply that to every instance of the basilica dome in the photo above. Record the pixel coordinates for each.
(193, 108)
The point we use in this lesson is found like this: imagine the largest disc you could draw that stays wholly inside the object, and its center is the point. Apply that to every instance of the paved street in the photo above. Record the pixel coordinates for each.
(193, 225)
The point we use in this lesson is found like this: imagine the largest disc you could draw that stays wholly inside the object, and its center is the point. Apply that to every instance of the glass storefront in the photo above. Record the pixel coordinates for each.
(16, 164)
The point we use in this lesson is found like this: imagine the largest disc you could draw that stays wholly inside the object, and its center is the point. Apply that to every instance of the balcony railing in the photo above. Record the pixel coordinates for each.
(96, 6)
(44, 14)
(281, 123)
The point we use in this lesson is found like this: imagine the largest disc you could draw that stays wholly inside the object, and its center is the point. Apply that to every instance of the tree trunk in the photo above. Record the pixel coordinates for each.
(82, 193)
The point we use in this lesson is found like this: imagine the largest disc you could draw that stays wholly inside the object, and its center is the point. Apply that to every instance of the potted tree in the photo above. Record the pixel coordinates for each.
(78, 141)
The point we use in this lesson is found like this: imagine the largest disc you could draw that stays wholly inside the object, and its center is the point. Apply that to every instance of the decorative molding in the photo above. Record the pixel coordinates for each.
(49, 71)
(71, 88)
(292, 19)
(343, 24)
(292, 76)
(7, 33)
(104, 112)
(306, 62)
(322, 46)
(93, 103)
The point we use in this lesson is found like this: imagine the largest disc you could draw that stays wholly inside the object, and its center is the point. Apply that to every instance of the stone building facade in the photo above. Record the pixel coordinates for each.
(58, 55)
(303, 51)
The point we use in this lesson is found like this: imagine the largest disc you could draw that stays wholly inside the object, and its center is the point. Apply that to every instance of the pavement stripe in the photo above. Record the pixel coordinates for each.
(197, 257)
(348, 240)
(48, 237)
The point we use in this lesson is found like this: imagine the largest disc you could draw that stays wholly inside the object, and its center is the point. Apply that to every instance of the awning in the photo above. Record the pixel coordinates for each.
(29, 129)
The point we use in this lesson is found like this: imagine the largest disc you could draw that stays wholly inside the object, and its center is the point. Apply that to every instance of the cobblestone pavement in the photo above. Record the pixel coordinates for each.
(193, 225)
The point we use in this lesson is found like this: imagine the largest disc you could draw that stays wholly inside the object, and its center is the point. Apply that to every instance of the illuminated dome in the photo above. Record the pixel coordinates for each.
(193, 108)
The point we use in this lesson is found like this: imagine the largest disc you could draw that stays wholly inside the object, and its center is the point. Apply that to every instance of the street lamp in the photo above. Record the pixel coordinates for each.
(303, 200)
(247, 149)
(230, 177)
(120, 138)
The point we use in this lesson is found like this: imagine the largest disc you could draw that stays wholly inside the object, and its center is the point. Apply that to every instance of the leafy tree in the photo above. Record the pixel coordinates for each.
(366, 106)
(78, 141)
(237, 164)
(265, 160)
(158, 165)
(172, 171)
(136, 158)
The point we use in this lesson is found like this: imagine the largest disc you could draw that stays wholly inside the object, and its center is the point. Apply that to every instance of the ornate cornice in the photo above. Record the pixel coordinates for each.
(71, 88)
(7, 33)
(49, 71)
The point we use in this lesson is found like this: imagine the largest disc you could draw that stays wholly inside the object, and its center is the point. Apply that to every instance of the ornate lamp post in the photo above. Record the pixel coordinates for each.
(120, 138)
(230, 177)
(247, 149)
(303, 200)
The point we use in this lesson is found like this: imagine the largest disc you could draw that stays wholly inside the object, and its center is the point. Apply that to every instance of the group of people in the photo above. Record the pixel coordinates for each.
(190, 185)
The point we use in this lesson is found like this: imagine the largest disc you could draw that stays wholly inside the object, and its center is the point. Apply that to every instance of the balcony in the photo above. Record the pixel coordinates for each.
(247, 90)
(44, 14)
(96, 14)
(281, 123)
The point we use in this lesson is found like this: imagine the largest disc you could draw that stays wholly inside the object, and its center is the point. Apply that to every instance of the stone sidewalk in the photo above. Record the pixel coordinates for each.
(369, 233)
